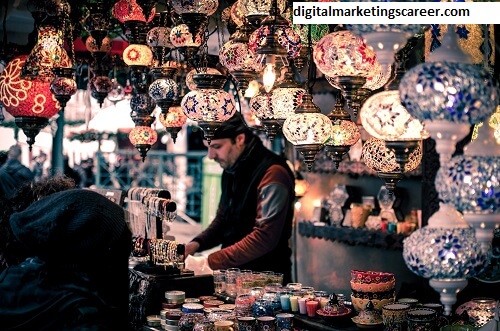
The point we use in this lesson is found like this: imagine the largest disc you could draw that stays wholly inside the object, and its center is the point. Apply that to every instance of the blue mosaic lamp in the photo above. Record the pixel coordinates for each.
(449, 94)
(446, 252)
(471, 183)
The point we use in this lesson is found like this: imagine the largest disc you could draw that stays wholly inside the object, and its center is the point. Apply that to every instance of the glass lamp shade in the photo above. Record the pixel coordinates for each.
(318, 31)
(141, 104)
(102, 84)
(129, 10)
(137, 55)
(450, 91)
(25, 98)
(238, 13)
(143, 137)
(342, 53)
(285, 35)
(284, 102)
(384, 117)
(208, 105)
(64, 85)
(30, 101)
(379, 158)
(47, 53)
(260, 105)
(163, 88)
(446, 248)
(159, 37)
(261, 7)
(344, 133)
(181, 36)
(91, 44)
(470, 183)
(191, 84)
(207, 7)
(237, 56)
(173, 120)
(385, 39)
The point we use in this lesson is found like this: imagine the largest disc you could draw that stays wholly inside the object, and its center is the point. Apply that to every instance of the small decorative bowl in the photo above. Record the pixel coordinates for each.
(368, 276)
(360, 304)
(330, 318)
(374, 295)
(373, 287)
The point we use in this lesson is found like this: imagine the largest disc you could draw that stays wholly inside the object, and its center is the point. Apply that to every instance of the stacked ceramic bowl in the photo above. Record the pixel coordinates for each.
(375, 286)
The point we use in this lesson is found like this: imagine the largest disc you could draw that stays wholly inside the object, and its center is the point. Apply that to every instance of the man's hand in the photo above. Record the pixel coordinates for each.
(191, 248)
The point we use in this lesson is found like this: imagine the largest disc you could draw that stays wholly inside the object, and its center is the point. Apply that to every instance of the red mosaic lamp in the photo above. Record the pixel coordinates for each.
(30, 101)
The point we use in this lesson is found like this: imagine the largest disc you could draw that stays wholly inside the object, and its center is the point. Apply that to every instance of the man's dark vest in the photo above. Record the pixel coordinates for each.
(239, 194)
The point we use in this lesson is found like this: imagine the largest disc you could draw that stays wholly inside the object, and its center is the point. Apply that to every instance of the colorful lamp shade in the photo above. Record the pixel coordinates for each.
(159, 36)
(91, 45)
(285, 36)
(261, 106)
(129, 10)
(191, 84)
(342, 53)
(238, 13)
(181, 36)
(446, 251)
(284, 102)
(30, 101)
(141, 104)
(48, 53)
(379, 158)
(380, 76)
(173, 120)
(307, 129)
(143, 137)
(207, 7)
(260, 7)
(209, 105)
(383, 117)
(64, 85)
(137, 55)
(385, 39)
(241, 62)
(163, 90)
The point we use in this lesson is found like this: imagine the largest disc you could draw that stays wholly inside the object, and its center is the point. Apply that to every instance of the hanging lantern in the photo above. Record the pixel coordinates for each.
(173, 120)
(100, 86)
(137, 55)
(48, 53)
(143, 137)
(257, 10)
(191, 84)
(163, 89)
(308, 129)
(345, 133)
(64, 85)
(129, 10)
(91, 44)
(209, 105)
(29, 101)
(97, 23)
(206, 7)
(187, 38)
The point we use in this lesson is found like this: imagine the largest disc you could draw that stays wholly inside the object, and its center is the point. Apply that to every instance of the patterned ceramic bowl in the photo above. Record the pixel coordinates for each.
(360, 303)
(370, 277)
(373, 287)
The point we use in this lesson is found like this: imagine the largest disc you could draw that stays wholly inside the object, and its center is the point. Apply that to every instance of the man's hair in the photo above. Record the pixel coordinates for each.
(14, 152)
(232, 127)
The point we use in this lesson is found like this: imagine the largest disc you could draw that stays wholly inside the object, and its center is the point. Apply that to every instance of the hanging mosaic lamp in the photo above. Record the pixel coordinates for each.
(97, 22)
(163, 89)
(257, 10)
(345, 133)
(308, 129)
(191, 83)
(64, 85)
(449, 95)
(158, 38)
(143, 137)
(173, 121)
(30, 101)
(209, 105)
(346, 58)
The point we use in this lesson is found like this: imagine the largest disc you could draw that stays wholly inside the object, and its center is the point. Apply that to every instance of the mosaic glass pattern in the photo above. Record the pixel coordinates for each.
(344, 133)
(159, 37)
(285, 35)
(175, 118)
(209, 105)
(142, 135)
(180, 36)
(379, 77)
(443, 253)
(342, 53)
(137, 55)
(207, 7)
(142, 103)
(470, 183)
(102, 83)
(382, 159)
(237, 56)
(21, 97)
(383, 116)
(455, 92)
(261, 7)
(307, 128)
(91, 44)
(63, 86)
(284, 101)
(260, 105)
(163, 89)
(129, 10)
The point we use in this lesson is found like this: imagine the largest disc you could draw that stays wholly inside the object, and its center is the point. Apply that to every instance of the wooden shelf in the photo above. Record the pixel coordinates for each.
(351, 236)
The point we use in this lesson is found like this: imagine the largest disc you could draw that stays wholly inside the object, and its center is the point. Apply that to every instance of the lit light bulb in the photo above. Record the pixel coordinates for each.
(269, 77)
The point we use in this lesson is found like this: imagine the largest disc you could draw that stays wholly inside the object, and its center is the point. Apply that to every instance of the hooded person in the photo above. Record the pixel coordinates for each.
(253, 223)
(76, 277)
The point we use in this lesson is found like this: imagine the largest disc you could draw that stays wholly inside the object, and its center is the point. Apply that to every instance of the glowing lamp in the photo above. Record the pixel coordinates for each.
(137, 55)
(143, 137)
